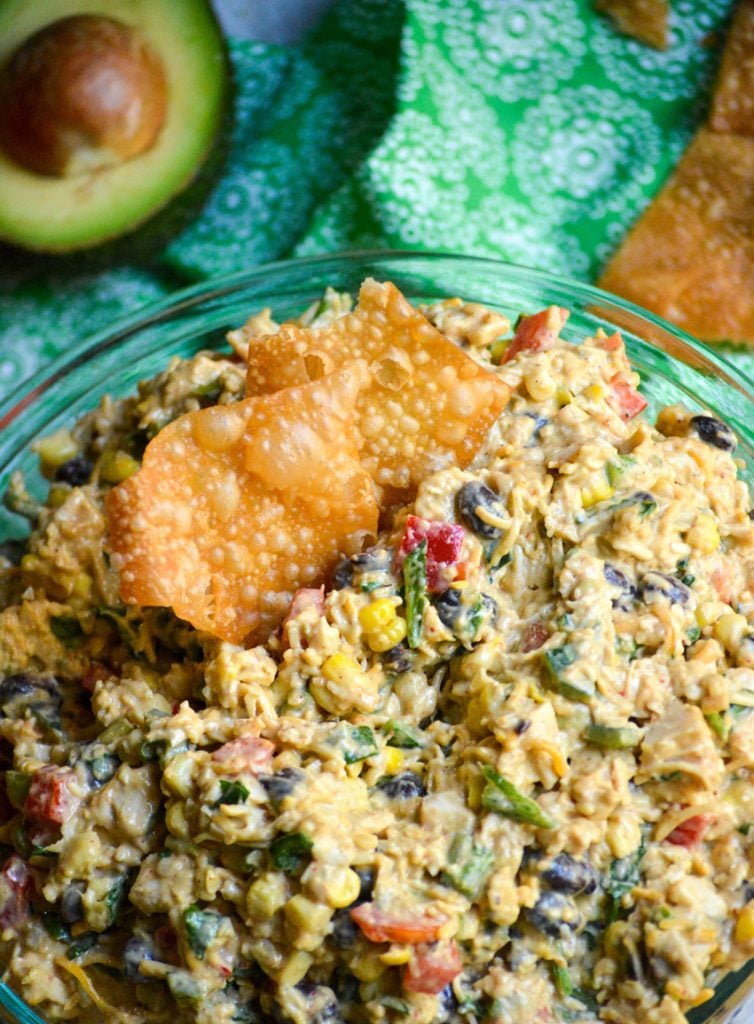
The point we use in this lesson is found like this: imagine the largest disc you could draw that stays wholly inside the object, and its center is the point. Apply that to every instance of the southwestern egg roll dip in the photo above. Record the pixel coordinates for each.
(491, 762)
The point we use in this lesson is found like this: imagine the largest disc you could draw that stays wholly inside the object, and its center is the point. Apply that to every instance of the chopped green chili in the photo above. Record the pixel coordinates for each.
(415, 584)
(504, 798)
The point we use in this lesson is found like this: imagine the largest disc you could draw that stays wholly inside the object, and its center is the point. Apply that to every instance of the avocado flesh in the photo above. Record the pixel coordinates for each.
(62, 214)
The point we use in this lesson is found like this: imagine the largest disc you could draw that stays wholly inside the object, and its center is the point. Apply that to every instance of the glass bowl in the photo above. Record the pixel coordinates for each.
(672, 365)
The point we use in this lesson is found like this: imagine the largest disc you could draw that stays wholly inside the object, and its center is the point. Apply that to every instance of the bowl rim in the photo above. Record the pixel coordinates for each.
(151, 313)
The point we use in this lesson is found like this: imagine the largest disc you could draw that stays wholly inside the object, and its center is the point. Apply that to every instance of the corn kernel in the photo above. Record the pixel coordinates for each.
(376, 615)
(339, 668)
(368, 967)
(116, 466)
(177, 775)
(498, 349)
(708, 612)
(342, 887)
(396, 955)
(175, 819)
(295, 968)
(57, 495)
(393, 760)
(563, 397)
(539, 384)
(387, 637)
(267, 895)
(704, 996)
(56, 449)
(343, 686)
(305, 915)
(594, 392)
(82, 585)
(730, 629)
(745, 925)
(704, 535)
(598, 489)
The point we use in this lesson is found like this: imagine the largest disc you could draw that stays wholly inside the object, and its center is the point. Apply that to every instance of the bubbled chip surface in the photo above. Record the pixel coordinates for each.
(426, 405)
(690, 256)
(733, 101)
(645, 20)
(237, 505)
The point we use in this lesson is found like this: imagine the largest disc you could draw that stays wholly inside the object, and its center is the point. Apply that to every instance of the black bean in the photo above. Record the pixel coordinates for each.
(367, 879)
(554, 914)
(26, 694)
(713, 431)
(348, 570)
(618, 579)
(448, 606)
(342, 575)
(464, 613)
(474, 497)
(565, 874)
(660, 584)
(402, 787)
(13, 551)
(135, 952)
(448, 1004)
(75, 471)
(281, 784)
(343, 929)
(398, 659)
(71, 907)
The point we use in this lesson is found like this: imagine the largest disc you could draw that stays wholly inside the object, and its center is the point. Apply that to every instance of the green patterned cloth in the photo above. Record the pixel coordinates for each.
(527, 130)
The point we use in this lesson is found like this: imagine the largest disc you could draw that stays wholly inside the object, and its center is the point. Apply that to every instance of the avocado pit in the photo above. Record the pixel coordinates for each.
(83, 93)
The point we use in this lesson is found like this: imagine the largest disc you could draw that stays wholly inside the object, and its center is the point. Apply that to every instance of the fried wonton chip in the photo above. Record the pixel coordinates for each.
(645, 20)
(690, 256)
(236, 506)
(427, 404)
(733, 101)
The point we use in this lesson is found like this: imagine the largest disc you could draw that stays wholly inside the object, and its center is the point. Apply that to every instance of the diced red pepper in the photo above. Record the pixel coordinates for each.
(50, 796)
(721, 581)
(534, 636)
(248, 753)
(613, 343)
(432, 967)
(166, 939)
(94, 674)
(536, 333)
(444, 545)
(379, 926)
(690, 831)
(625, 399)
(16, 885)
(306, 597)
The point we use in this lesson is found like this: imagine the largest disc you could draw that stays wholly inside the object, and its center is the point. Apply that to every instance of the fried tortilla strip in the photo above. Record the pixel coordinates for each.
(236, 506)
(733, 101)
(427, 405)
(690, 256)
(645, 20)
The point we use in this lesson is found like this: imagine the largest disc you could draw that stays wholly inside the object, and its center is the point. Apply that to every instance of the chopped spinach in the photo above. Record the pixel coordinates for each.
(290, 851)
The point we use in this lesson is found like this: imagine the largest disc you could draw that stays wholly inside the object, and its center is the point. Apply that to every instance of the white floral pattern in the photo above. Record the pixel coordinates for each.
(590, 152)
(525, 129)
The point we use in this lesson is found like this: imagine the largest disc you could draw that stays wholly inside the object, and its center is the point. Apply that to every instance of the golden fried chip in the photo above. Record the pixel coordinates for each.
(733, 101)
(645, 20)
(690, 256)
(427, 404)
(236, 506)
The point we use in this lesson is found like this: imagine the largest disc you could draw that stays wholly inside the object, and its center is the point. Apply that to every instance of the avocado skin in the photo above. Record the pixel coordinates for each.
(139, 237)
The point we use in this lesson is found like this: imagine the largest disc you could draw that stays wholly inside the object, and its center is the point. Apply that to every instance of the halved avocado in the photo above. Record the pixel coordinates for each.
(97, 175)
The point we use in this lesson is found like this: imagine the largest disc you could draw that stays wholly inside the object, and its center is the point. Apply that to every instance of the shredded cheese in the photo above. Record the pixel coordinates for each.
(80, 975)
